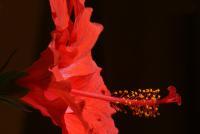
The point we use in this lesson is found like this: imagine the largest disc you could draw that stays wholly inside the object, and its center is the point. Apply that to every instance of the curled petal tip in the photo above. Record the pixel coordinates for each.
(173, 96)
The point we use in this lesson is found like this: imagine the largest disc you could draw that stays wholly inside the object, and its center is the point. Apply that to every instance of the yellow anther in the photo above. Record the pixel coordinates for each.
(150, 90)
(120, 91)
(125, 91)
(141, 96)
(153, 98)
(115, 92)
(146, 114)
(139, 90)
(136, 93)
(150, 108)
(158, 96)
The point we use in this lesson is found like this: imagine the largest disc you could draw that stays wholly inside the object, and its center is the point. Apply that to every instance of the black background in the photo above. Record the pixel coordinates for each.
(145, 44)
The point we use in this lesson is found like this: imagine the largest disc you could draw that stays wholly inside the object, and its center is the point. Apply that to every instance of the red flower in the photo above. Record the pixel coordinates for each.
(65, 83)
(65, 65)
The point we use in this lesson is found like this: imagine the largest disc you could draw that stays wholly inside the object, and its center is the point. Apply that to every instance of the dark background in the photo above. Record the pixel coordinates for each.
(145, 44)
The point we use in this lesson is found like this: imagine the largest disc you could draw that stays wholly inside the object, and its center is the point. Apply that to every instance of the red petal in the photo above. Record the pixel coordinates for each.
(96, 112)
(85, 33)
(69, 56)
(60, 14)
(81, 67)
(40, 68)
(53, 109)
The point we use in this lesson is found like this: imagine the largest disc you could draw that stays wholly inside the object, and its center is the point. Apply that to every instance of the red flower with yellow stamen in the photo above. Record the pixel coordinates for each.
(65, 83)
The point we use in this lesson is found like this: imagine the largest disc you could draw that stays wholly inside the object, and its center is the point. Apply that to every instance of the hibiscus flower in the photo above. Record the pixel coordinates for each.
(65, 65)
(65, 83)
